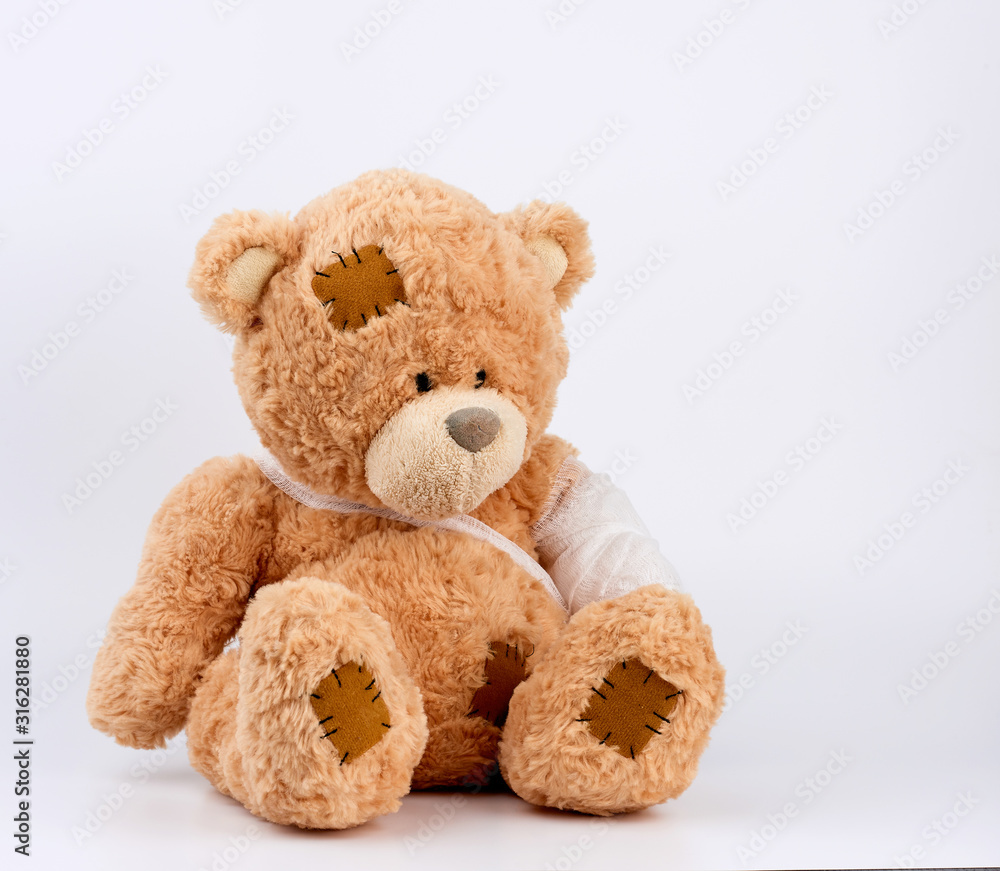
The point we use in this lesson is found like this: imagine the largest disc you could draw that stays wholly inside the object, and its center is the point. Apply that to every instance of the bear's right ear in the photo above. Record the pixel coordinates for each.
(234, 262)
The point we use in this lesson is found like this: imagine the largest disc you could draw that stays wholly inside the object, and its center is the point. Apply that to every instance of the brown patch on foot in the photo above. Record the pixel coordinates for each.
(504, 671)
(352, 713)
(629, 707)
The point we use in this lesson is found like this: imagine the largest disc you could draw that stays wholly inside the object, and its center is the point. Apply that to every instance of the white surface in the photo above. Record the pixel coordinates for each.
(671, 137)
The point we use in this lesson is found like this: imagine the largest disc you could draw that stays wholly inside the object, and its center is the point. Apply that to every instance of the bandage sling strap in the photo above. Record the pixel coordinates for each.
(594, 543)
(589, 535)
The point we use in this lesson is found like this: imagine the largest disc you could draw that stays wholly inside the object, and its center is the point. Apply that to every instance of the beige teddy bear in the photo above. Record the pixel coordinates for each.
(422, 580)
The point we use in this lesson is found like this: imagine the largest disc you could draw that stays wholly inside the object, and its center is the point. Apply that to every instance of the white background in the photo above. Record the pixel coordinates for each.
(769, 793)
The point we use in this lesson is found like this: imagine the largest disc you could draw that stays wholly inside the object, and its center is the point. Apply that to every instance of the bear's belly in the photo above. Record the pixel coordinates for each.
(462, 614)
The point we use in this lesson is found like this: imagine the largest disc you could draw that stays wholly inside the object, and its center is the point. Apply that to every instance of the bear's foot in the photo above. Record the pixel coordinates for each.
(616, 716)
(314, 720)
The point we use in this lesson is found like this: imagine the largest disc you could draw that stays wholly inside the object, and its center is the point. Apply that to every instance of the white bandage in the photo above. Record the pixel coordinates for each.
(592, 542)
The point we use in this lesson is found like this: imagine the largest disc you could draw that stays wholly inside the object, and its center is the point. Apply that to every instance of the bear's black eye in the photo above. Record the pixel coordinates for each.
(423, 383)
(480, 378)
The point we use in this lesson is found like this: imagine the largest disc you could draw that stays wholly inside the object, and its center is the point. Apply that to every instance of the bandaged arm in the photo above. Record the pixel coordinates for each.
(592, 542)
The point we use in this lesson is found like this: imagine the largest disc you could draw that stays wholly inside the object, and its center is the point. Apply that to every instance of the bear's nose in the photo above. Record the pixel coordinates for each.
(473, 428)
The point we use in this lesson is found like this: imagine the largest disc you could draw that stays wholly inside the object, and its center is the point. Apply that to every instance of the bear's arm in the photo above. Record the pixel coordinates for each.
(205, 547)
(592, 542)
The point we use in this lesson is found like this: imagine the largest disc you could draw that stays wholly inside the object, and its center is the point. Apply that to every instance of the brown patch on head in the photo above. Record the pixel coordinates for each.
(630, 706)
(352, 713)
(358, 286)
(504, 671)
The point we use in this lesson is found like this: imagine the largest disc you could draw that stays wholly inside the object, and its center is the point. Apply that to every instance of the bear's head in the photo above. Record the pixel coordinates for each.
(397, 343)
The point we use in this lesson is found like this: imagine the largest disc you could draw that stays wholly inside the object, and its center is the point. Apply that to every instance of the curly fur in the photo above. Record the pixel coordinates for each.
(308, 590)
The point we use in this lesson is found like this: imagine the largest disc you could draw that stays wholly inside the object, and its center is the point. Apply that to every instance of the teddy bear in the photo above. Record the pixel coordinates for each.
(413, 584)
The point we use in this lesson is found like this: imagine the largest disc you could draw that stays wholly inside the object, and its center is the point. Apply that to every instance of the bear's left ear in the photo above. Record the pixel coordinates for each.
(557, 236)
(235, 261)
